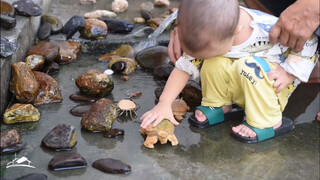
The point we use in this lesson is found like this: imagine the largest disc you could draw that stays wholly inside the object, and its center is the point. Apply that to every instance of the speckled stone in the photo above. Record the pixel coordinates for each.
(61, 137)
(19, 113)
(9, 138)
(7, 48)
(94, 29)
(27, 8)
(35, 62)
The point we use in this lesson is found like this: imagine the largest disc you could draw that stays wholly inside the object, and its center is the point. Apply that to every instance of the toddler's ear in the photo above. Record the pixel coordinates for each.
(238, 29)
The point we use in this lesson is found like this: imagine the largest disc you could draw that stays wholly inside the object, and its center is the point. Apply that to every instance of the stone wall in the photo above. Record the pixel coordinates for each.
(24, 35)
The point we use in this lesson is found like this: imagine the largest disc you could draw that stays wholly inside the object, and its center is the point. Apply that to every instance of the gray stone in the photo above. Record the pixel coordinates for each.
(44, 31)
(27, 8)
(7, 48)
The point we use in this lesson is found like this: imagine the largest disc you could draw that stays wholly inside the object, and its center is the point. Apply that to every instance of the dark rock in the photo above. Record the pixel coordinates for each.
(67, 161)
(61, 137)
(7, 48)
(56, 24)
(100, 117)
(27, 8)
(35, 62)
(12, 149)
(7, 9)
(146, 15)
(44, 31)
(158, 91)
(94, 29)
(69, 51)
(23, 83)
(118, 67)
(47, 49)
(163, 72)
(80, 110)
(191, 93)
(50, 67)
(18, 113)
(112, 166)
(7, 22)
(74, 24)
(83, 98)
(9, 138)
(117, 25)
(49, 90)
(114, 133)
(33, 176)
(152, 57)
(95, 83)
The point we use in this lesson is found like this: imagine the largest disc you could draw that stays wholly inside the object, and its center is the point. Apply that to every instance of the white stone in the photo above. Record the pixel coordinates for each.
(119, 5)
(108, 72)
(100, 13)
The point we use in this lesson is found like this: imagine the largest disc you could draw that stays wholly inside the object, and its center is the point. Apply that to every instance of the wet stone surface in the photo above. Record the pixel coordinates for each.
(27, 8)
(69, 52)
(83, 98)
(152, 57)
(62, 137)
(80, 110)
(50, 68)
(6, 9)
(112, 166)
(18, 113)
(163, 72)
(67, 161)
(73, 25)
(55, 22)
(35, 62)
(48, 50)
(117, 26)
(7, 48)
(7, 22)
(94, 29)
(44, 31)
(23, 83)
(100, 117)
(9, 138)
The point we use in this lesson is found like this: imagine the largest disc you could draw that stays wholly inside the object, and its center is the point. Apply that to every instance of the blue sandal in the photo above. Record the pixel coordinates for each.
(215, 116)
(267, 133)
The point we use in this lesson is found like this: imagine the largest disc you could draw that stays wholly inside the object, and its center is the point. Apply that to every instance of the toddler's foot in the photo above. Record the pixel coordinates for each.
(245, 131)
(201, 117)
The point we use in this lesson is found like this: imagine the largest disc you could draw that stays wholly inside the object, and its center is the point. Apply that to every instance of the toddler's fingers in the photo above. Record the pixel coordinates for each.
(149, 120)
(272, 74)
(276, 84)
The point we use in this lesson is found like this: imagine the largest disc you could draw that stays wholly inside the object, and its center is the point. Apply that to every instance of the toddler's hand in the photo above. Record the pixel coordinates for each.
(281, 77)
(157, 114)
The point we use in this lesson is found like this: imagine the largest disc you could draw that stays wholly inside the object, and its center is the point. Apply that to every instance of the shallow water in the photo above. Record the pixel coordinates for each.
(201, 154)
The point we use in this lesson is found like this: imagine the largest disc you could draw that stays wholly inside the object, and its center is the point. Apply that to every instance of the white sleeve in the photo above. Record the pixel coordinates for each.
(301, 64)
(184, 64)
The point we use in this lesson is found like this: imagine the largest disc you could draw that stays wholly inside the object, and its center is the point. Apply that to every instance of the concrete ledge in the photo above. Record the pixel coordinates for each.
(24, 35)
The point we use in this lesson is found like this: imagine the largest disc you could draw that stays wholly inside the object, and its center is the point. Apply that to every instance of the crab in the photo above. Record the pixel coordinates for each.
(163, 132)
(128, 107)
(179, 109)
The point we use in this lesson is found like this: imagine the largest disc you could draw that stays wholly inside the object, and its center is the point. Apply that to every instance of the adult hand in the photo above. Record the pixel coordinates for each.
(281, 77)
(174, 48)
(296, 24)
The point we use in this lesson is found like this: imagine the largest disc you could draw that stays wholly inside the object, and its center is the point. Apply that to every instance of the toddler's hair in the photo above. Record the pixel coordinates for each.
(202, 21)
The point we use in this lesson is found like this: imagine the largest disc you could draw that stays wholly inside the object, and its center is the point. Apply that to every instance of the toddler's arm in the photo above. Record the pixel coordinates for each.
(175, 83)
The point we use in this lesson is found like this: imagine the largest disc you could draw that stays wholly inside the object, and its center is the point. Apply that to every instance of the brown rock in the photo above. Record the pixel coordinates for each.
(7, 9)
(35, 62)
(69, 52)
(95, 83)
(47, 49)
(100, 117)
(161, 3)
(94, 29)
(18, 113)
(49, 91)
(155, 22)
(23, 83)
(61, 137)
(10, 138)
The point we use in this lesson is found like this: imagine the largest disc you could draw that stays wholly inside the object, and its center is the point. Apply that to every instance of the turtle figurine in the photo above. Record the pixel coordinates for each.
(163, 132)
(179, 109)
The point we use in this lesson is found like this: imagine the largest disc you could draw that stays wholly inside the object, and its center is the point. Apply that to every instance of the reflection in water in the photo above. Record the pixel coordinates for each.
(97, 139)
